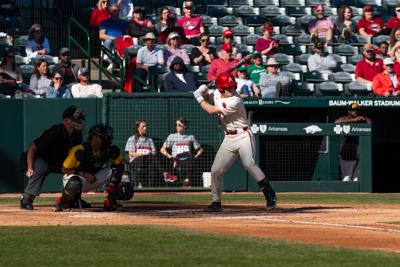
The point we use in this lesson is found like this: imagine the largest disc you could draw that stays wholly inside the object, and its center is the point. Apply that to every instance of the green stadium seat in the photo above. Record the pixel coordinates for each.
(313, 77)
(254, 21)
(304, 21)
(251, 39)
(302, 59)
(215, 30)
(342, 77)
(345, 50)
(215, 2)
(381, 38)
(242, 48)
(241, 30)
(339, 3)
(292, 30)
(297, 11)
(293, 67)
(27, 71)
(207, 20)
(217, 11)
(389, 3)
(158, 4)
(229, 21)
(303, 39)
(281, 20)
(329, 89)
(282, 59)
(291, 3)
(354, 59)
(245, 11)
(271, 11)
(264, 3)
(19, 60)
(299, 88)
(290, 49)
(188, 48)
(357, 89)
(237, 3)
(347, 67)
(312, 3)
(283, 39)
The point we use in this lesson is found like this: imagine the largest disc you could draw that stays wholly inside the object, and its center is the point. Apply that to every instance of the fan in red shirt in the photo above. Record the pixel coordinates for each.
(99, 13)
(369, 25)
(223, 63)
(369, 66)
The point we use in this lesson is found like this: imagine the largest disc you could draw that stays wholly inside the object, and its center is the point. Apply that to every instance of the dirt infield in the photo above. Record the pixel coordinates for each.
(356, 226)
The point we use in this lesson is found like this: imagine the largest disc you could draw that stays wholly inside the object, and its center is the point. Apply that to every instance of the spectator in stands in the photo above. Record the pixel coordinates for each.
(321, 61)
(40, 79)
(369, 25)
(255, 69)
(223, 63)
(66, 67)
(345, 27)
(9, 40)
(10, 74)
(9, 71)
(57, 88)
(192, 25)
(273, 84)
(321, 26)
(162, 23)
(175, 50)
(99, 14)
(178, 148)
(395, 21)
(349, 144)
(37, 44)
(139, 26)
(110, 29)
(227, 38)
(202, 55)
(387, 83)
(172, 26)
(267, 46)
(370, 66)
(245, 87)
(147, 57)
(125, 9)
(396, 66)
(84, 88)
(180, 79)
(383, 49)
(141, 153)
(394, 41)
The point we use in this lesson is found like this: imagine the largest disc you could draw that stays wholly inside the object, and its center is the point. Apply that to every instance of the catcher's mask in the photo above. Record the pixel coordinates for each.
(104, 132)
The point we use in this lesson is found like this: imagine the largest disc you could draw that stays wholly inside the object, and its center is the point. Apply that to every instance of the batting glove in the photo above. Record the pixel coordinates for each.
(198, 95)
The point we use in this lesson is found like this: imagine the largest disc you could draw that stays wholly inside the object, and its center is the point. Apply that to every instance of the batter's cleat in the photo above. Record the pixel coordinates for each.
(214, 207)
(25, 204)
(271, 200)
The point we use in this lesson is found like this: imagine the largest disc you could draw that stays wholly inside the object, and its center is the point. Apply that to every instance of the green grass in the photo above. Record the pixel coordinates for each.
(283, 198)
(153, 246)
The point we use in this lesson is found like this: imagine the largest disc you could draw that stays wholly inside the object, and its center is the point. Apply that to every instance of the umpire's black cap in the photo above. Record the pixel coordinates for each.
(73, 113)
(354, 107)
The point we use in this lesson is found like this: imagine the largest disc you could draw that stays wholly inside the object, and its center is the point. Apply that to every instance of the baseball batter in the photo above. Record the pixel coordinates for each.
(239, 140)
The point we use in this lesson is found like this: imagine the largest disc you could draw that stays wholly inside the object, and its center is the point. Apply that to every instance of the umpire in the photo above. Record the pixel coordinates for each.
(47, 153)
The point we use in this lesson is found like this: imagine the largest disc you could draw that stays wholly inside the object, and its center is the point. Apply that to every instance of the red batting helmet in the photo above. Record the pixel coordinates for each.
(225, 80)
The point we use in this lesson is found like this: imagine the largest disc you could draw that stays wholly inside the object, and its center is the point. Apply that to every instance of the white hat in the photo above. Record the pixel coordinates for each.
(149, 36)
(173, 35)
(272, 62)
(388, 61)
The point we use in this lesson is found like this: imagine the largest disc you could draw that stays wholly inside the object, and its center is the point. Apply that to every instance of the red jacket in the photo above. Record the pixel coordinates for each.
(97, 16)
(382, 83)
(219, 66)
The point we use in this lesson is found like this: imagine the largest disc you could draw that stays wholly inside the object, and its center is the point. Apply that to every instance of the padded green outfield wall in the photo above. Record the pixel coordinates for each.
(23, 120)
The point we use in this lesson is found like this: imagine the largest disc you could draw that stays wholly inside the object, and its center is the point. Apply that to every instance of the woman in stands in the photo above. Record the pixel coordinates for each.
(394, 41)
(9, 71)
(99, 13)
(267, 46)
(345, 28)
(57, 89)
(139, 26)
(37, 44)
(174, 49)
(203, 54)
(40, 79)
(162, 23)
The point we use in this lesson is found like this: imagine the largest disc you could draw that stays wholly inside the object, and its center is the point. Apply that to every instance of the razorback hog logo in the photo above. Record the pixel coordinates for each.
(312, 129)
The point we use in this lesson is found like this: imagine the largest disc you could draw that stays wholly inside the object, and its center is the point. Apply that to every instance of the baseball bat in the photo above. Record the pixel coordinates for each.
(238, 64)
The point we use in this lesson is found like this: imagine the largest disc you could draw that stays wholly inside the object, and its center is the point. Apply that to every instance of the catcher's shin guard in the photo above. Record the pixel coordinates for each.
(73, 189)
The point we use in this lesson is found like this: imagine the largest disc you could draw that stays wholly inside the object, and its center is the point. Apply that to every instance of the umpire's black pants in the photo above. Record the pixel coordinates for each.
(35, 182)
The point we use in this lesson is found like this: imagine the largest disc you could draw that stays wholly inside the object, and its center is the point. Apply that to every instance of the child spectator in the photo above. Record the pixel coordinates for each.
(245, 87)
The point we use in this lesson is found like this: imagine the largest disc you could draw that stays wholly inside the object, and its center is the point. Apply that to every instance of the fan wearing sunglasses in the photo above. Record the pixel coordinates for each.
(203, 54)
(370, 66)
(57, 88)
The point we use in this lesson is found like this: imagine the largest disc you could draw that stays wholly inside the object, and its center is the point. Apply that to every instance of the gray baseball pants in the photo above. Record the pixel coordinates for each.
(242, 145)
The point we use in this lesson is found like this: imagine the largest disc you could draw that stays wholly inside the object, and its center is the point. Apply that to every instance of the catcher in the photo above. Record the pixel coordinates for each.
(90, 165)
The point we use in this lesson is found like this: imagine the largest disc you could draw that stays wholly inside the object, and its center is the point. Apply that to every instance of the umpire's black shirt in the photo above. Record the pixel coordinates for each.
(53, 145)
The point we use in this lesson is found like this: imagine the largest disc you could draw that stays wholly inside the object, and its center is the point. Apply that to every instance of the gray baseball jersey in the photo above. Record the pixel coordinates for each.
(238, 140)
(181, 144)
(141, 144)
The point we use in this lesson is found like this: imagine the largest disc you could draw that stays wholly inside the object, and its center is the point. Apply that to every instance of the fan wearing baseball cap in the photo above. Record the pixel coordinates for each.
(386, 83)
(223, 63)
(369, 25)
(265, 45)
(368, 67)
(84, 88)
(227, 38)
